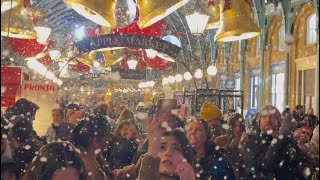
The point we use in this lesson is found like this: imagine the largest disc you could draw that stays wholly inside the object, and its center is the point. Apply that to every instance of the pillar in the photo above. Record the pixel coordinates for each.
(288, 19)
(242, 48)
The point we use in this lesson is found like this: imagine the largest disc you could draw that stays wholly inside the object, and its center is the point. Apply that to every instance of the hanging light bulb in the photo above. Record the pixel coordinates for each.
(187, 76)
(212, 70)
(197, 21)
(171, 79)
(178, 77)
(54, 54)
(132, 63)
(165, 81)
(151, 54)
(198, 74)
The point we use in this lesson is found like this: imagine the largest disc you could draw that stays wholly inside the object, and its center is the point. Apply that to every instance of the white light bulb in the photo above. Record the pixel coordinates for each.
(171, 79)
(178, 77)
(198, 74)
(212, 70)
(187, 76)
(151, 54)
(165, 81)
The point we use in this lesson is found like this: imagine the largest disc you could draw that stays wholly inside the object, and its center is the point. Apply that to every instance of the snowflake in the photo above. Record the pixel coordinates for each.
(43, 159)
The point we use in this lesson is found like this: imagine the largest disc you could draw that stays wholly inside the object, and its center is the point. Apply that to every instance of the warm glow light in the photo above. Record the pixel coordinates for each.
(165, 81)
(197, 22)
(50, 75)
(171, 79)
(187, 76)
(79, 33)
(54, 54)
(32, 63)
(151, 54)
(132, 63)
(43, 34)
(212, 70)
(178, 77)
(198, 74)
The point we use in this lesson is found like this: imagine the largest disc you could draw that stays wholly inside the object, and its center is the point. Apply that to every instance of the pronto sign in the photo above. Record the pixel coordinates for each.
(45, 96)
(128, 40)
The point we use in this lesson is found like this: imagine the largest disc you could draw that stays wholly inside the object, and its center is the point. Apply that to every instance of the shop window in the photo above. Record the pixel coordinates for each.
(277, 85)
(254, 86)
(237, 84)
(311, 29)
(281, 43)
(277, 90)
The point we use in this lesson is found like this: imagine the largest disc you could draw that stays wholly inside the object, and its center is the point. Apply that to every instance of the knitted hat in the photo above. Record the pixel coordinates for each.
(210, 112)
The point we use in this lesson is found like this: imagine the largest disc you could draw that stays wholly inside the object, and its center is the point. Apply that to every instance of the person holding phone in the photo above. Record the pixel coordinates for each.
(168, 156)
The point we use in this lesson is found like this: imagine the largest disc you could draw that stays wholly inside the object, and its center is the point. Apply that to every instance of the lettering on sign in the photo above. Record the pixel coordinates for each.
(39, 87)
(128, 40)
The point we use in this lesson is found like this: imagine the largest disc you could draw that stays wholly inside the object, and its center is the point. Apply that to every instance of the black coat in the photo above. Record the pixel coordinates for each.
(267, 158)
(121, 152)
(213, 165)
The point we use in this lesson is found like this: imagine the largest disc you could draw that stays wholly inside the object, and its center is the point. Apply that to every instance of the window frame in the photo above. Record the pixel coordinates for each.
(309, 31)
(253, 85)
(281, 32)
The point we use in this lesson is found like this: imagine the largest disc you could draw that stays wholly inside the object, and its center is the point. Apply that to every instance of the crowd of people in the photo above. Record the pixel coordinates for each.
(106, 143)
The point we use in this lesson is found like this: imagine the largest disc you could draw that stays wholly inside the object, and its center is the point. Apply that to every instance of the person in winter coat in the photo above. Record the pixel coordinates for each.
(299, 115)
(73, 116)
(56, 161)
(169, 155)
(209, 162)
(9, 170)
(213, 116)
(53, 132)
(312, 119)
(229, 143)
(273, 153)
(92, 136)
(122, 148)
(23, 145)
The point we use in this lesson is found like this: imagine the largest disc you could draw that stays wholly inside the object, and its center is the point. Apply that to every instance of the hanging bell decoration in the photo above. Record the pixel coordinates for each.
(152, 11)
(9, 4)
(18, 23)
(213, 11)
(99, 11)
(87, 58)
(235, 22)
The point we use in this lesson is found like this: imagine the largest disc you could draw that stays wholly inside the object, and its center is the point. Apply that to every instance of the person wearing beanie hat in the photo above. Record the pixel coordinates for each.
(262, 153)
(212, 115)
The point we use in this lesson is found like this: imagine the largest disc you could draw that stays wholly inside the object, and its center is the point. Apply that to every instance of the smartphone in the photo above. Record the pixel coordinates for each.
(166, 105)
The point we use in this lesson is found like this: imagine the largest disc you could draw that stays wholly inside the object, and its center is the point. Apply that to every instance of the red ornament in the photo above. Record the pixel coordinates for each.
(25, 47)
(157, 63)
(79, 68)
(155, 30)
(45, 60)
(91, 32)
